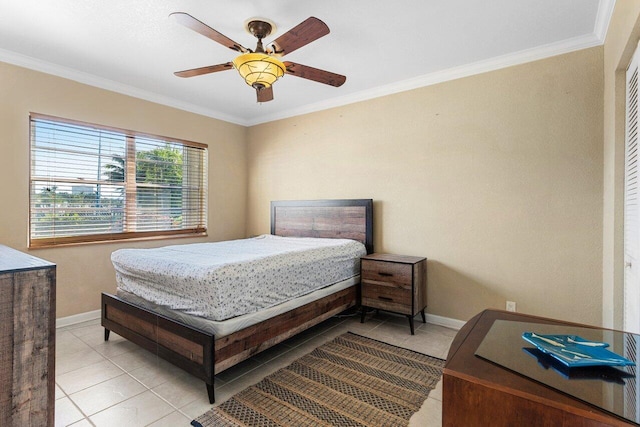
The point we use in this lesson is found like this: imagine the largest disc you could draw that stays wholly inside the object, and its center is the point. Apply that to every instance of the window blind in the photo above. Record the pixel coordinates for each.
(92, 183)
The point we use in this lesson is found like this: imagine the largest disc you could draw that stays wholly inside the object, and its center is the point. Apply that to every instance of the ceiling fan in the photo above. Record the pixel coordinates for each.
(261, 67)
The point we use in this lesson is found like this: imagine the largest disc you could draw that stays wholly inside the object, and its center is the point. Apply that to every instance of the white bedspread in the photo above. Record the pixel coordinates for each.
(227, 279)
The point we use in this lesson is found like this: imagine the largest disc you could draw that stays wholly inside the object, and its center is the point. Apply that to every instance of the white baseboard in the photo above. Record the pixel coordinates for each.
(447, 322)
(77, 318)
(61, 322)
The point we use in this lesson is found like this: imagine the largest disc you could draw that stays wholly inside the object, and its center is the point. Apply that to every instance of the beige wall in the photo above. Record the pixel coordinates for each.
(85, 271)
(496, 178)
(622, 39)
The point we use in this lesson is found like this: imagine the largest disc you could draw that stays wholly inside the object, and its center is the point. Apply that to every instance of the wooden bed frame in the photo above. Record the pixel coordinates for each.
(201, 353)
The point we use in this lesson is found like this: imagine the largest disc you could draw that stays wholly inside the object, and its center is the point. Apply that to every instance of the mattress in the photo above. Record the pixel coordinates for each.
(223, 280)
(226, 327)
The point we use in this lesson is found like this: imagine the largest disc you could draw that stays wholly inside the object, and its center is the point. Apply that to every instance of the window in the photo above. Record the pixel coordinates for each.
(92, 183)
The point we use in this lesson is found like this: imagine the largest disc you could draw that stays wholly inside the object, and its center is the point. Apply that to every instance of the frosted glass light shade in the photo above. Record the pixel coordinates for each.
(259, 68)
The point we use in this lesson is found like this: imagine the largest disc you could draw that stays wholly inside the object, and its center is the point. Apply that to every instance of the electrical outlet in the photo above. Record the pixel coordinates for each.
(511, 306)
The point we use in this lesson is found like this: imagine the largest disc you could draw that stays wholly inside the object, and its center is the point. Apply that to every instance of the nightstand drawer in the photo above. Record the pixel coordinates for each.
(387, 272)
(395, 283)
(386, 297)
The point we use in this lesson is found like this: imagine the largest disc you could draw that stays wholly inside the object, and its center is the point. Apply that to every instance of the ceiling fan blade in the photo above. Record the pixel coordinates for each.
(199, 27)
(315, 74)
(204, 70)
(265, 94)
(304, 33)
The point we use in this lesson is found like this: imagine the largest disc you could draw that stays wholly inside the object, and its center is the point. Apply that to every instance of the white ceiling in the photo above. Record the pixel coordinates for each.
(383, 47)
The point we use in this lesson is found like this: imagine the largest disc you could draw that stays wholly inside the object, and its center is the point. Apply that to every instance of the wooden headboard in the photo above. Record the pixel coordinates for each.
(341, 218)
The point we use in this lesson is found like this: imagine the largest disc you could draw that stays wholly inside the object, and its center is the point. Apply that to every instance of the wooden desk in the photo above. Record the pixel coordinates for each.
(477, 392)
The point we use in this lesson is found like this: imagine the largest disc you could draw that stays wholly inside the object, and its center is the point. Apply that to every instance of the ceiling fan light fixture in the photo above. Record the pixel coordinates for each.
(259, 69)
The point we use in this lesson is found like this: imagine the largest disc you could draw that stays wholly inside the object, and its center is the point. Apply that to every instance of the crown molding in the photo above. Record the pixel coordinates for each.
(603, 18)
(509, 60)
(103, 83)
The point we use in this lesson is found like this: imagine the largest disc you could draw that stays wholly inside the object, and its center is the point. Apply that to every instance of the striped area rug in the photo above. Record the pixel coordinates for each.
(350, 381)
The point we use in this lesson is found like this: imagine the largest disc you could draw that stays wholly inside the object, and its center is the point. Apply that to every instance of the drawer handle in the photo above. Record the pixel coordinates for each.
(385, 298)
(382, 273)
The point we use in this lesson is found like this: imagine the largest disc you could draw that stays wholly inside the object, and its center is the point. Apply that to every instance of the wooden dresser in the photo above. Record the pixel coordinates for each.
(477, 392)
(27, 339)
(396, 283)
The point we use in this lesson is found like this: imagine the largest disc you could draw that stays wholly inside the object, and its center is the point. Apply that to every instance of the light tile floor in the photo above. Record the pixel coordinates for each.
(116, 383)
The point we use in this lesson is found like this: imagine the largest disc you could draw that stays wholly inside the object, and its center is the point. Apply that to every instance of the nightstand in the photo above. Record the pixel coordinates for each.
(395, 283)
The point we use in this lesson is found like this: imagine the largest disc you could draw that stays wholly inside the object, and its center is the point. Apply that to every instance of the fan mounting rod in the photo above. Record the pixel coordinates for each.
(260, 29)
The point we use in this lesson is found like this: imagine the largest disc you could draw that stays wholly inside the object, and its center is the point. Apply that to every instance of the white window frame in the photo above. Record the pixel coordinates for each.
(140, 205)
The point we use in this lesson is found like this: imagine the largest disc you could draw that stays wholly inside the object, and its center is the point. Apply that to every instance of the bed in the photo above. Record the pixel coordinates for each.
(205, 348)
